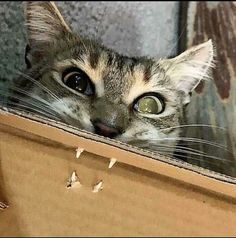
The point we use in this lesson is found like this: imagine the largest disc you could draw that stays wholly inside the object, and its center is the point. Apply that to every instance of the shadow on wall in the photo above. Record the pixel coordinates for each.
(131, 28)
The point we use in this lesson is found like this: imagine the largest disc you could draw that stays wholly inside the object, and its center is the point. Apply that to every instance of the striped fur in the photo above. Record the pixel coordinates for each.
(119, 80)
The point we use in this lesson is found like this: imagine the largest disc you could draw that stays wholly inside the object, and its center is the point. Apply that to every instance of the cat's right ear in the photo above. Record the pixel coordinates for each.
(44, 26)
(44, 22)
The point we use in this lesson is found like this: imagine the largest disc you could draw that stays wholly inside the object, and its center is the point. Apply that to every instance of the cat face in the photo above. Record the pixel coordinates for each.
(135, 100)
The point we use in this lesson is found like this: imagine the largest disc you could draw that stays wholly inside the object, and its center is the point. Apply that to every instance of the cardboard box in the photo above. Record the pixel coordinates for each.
(144, 194)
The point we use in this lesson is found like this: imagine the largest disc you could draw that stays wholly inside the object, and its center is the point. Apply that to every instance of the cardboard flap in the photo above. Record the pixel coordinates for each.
(124, 153)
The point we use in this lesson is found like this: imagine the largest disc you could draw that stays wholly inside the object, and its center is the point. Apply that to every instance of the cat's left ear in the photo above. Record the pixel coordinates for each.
(189, 68)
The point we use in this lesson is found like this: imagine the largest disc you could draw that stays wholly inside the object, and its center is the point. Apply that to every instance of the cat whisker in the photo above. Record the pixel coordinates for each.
(169, 153)
(185, 139)
(182, 147)
(150, 145)
(188, 152)
(194, 140)
(53, 95)
(36, 99)
(44, 108)
(179, 38)
(159, 147)
(26, 93)
(41, 86)
(30, 109)
(194, 125)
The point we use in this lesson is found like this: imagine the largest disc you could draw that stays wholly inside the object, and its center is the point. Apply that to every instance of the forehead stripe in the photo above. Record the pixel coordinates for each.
(94, 58)
(147, 74)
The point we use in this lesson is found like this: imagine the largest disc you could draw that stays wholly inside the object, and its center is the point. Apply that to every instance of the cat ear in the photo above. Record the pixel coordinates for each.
(44, 23)
(189, 68)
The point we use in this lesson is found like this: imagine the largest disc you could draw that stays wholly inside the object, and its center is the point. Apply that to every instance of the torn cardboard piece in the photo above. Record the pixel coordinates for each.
(112, 162)
(3, 206)
(98, 186)
(78, 152)
(73, 181)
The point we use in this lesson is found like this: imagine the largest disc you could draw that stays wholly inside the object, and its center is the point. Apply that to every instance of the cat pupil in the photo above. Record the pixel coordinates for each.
(79, 82)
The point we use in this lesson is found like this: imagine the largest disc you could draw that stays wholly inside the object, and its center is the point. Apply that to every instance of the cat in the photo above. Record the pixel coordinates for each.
(136, 100)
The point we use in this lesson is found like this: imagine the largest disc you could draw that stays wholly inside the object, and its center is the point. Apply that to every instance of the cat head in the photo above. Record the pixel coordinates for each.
(135, 100)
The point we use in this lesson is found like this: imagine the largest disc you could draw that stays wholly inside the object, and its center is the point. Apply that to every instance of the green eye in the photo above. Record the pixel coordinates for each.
(149, 105)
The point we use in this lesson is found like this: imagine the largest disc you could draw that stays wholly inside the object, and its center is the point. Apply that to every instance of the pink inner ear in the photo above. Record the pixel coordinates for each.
(202, 54)
(192, 67)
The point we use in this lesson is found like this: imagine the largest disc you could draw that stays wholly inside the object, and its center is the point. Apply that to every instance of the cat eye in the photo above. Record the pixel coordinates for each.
(149, 104)
(79, 81)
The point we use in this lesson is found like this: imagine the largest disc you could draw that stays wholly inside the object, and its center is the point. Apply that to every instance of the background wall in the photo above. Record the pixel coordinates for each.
(214, 101)
(133, 28)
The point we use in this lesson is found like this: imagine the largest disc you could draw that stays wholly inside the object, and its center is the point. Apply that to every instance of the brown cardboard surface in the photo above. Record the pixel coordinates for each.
(185, 172)
(133, 201)
(136, 200)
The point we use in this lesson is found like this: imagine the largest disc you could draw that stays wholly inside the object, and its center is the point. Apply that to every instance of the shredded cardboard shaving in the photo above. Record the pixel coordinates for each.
(73, 180)
(3, 206)
(98, 187)
(78, 152)
(112, 162)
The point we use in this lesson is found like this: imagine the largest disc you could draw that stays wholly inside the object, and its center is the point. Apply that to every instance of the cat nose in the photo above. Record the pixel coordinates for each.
(105, 130)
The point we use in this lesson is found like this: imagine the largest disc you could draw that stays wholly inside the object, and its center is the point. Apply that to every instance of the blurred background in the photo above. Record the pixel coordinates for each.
(158, 29)
(133, 28)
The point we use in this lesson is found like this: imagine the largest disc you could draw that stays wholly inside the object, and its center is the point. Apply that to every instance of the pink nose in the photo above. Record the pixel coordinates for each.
(104, 130)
